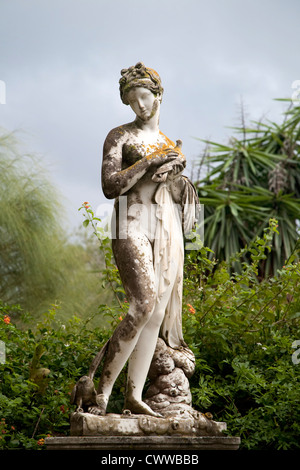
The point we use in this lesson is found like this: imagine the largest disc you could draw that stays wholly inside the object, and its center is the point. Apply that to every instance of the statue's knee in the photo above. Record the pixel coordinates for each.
(157, 318)
(144, 311)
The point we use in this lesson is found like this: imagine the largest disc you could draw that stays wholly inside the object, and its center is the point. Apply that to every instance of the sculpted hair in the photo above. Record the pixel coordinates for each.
(139, 76)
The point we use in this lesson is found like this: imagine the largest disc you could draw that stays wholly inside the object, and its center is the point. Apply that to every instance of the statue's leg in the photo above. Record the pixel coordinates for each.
(141, 357)
(134, 260)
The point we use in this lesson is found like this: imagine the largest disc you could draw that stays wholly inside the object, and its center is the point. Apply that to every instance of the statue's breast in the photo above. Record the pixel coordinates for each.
(131, 153)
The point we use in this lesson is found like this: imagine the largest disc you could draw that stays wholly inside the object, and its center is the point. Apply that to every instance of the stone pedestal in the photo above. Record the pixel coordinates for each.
(126, 424)
(144, 443)
(143, 432)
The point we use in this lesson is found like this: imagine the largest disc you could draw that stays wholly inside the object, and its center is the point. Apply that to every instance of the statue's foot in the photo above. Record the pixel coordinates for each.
(139, 407)
(100, 408)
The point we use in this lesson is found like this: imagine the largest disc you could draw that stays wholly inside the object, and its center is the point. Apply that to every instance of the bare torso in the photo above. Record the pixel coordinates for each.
(127, 159)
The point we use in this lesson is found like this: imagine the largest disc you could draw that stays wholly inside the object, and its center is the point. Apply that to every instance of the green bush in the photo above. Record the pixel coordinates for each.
(39, 261)
(242, 332)
(37, 376)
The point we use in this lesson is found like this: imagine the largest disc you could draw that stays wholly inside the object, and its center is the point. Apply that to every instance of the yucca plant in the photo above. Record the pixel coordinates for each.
(256, 177)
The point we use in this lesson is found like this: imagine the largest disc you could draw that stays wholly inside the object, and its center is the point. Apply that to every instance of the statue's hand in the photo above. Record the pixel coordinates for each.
(161, 157)
(177, 169)
(169, 170)
(168, 159)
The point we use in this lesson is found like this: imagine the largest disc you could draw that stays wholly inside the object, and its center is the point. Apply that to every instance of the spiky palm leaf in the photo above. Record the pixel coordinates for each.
(251, 180)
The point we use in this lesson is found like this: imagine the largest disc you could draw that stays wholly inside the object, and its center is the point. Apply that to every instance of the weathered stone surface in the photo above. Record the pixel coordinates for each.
(156, 206)
(169, 391)
(86, 424)
(147, 443)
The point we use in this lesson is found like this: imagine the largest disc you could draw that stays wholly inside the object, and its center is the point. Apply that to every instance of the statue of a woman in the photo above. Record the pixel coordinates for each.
(142, 171)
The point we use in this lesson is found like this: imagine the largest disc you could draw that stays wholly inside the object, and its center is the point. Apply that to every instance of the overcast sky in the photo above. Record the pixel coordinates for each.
(61, 62)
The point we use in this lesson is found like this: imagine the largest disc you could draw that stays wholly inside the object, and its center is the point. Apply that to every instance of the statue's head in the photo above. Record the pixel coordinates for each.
(139, 76)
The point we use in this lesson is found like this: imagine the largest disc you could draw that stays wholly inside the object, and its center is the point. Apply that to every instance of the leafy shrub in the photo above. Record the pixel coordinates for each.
(241, 330)
(39, 371)
(39, 261)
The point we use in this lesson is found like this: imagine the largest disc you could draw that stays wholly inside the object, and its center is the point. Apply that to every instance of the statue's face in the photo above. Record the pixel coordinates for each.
(143, 102)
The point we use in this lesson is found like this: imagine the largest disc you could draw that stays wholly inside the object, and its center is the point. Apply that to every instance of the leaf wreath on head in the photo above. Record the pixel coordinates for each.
(139, 76)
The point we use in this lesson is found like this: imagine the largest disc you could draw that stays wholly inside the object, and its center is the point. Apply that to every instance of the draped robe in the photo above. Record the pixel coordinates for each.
(173, 221)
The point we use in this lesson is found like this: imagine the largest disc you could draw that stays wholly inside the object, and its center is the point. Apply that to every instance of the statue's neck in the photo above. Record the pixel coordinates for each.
(151, 125)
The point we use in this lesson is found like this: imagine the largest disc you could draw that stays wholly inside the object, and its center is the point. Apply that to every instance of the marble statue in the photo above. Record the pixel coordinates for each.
(155, 205)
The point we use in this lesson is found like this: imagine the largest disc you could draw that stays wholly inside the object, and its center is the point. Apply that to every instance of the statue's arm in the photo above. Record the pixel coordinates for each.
(116, 181)
(178, 184)
(183, 190)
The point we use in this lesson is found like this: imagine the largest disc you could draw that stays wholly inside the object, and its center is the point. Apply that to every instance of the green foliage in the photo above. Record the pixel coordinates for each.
(30, 242)
(34, 404)
(242, 332)
(110, 274)
(81, 291)
(44, 362)
(240, 325)
(252, 179)
(39, 265)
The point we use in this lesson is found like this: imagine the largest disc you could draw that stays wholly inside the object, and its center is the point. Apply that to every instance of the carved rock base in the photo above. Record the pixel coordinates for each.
(86, 424)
